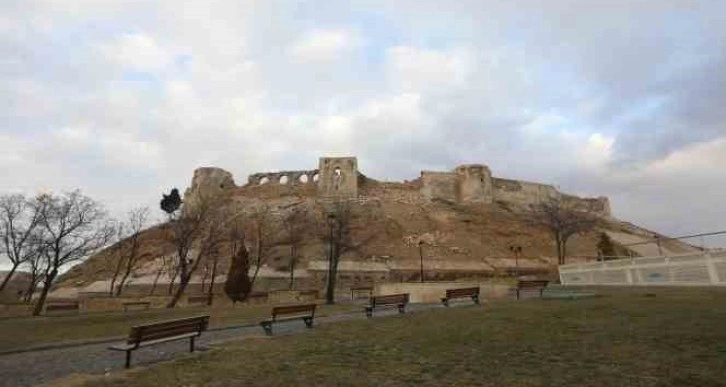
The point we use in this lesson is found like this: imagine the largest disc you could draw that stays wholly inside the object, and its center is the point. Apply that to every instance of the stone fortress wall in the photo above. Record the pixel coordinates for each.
(339, 178)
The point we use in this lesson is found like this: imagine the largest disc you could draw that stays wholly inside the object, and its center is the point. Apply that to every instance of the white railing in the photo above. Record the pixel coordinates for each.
(699, 270)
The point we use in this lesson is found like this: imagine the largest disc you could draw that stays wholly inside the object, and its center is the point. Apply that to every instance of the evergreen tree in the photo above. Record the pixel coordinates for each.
(238, 285)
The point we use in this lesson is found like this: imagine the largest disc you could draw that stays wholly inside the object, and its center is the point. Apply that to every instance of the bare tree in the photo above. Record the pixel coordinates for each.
(162, 269)
(74, 226)
(37, 265)
(196, 235)
(345, 231)
(172, 272)
(563, 220)
(115, 252)
(18, 222)
(264, 235)
(129, 247)
(295, 223)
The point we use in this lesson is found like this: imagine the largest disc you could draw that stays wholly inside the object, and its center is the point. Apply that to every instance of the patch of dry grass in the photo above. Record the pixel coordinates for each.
(33, 331)
(677, 338)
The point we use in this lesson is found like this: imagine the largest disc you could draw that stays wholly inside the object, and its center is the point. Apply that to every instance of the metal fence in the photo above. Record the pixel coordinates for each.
(694, 269)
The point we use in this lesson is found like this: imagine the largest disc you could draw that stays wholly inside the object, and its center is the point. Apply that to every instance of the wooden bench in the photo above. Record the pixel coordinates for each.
(143, 304)
(162, 332)
(472, 293)
(200, 299)
(293, 312)
(536, 285)
(398, 300)
(55, 306)
(368, 290)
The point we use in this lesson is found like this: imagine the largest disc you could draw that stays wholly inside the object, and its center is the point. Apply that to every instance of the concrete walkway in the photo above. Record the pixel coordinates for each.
(35, 367)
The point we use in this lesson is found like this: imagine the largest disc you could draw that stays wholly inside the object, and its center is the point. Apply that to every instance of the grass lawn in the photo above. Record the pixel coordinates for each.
(25, 332)
(675, 338)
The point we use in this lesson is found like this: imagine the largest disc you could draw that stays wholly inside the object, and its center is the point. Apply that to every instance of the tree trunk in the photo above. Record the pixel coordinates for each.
(47, 282)
(210, 296)
(123, 281)
(31, 287)
(254, 275)
(171, 282)
(204, 278)
(293, 258)
(115, 276)
(558, 242)
(332, 274)
(564, 250)
(183, 282)
(10, 274)
(156, 280)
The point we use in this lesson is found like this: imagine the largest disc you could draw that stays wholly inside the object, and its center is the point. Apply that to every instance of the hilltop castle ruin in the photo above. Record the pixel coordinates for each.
(339, 178)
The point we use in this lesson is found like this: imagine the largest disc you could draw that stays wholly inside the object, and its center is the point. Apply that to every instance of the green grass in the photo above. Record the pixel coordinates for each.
(18, 333)
(677, 338)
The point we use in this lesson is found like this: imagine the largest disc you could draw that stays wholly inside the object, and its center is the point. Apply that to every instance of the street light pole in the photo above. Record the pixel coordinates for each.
(516, 250)
(420, 254)
(657, 242)
(329, 295)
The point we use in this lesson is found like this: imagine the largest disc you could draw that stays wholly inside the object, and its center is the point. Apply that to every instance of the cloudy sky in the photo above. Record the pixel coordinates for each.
(624, 98)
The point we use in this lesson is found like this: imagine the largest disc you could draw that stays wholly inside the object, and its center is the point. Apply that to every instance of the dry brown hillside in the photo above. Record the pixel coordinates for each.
(468, 216)
(459, 232)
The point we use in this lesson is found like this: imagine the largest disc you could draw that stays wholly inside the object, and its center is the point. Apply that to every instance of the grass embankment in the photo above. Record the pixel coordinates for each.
(18, 333)
(677, 338)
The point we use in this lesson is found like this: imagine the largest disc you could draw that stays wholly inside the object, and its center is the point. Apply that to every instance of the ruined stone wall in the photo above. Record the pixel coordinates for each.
(407, 193)
(276, 191)
(284, 178)
(599, 205)
(439, 186)
(475, 183)
(521, 193)
(207, 182)
(338, 178)
(273, 185)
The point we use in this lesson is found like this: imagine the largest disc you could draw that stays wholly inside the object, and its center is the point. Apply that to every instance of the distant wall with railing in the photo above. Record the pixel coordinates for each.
(684, 270)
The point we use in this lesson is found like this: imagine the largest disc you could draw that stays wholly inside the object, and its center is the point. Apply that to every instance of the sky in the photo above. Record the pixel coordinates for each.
(124, 99)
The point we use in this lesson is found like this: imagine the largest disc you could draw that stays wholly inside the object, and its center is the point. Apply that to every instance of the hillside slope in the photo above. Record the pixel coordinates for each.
(452, 233)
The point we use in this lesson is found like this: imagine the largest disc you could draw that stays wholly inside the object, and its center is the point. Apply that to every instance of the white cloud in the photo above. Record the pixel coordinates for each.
(324, 44)
(139, 52)
(706, 158)
(537, 92)
(414, 69)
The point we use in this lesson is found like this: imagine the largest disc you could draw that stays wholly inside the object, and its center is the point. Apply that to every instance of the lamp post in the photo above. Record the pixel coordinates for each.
(329, 295)
(657, 242)
(420, 254)
(516, 250)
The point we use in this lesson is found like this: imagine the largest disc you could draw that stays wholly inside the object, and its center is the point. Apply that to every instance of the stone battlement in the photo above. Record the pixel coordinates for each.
(339, 178)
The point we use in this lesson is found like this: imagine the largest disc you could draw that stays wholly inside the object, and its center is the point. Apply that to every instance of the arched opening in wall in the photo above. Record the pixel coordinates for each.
(337, 175)
(316, 177)
(284, 179)
(303, 179)
(264, 180)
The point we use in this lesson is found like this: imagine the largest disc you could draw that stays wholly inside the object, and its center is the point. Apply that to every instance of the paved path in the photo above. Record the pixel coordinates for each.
(31, 368)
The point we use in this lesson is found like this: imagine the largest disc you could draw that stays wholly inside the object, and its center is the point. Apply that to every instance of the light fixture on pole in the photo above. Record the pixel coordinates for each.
(420, 254)
(331, 282)
(517, 250)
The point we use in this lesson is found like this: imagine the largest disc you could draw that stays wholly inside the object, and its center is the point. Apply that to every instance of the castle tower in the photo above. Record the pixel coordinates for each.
(338, 178)
(474, 183)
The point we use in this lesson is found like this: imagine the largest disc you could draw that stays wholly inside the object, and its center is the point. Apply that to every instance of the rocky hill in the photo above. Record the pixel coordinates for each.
(465, 217)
